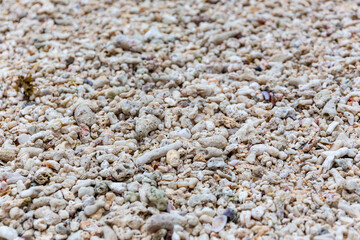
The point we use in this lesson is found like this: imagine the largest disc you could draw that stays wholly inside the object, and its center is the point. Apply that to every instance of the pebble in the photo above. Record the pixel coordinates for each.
(101, 188)
(153, 33)
(31, 192)
(100, 82)
(219, 38)
(217, 141)
(16, 213)
(128, 43)
(173, 158)
(185, 133)
(40, 224)
(8, 233)
(118, 188)
(64, 214)
(330, 108)
(145, 125)
(352, 185)
(92, 209)
(214, 163)
(7, 154)
(164, 221)
(48, 215)
(84, 115)
(42, 176)
(258, 212)
(30, 151)
(23, 138)
(207, 211)
(57, 204)
(157, 197)
(115, 91)
(284, 112)
(201, 199)
(109, 233)
(122, 170)
(157, 153)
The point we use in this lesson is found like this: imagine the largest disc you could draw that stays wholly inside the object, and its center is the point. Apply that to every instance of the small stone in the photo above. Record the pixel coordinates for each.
(69, 61)
(101, 188)
(217, 141)
(16, 213)
(79, 235)
(115, 91)
(164, 221)
(330, 108)
(146, 124)
(207, 211)
(185, 133)
(3, 187)
(23, 138)
(100, 82)
(322, 97)
(284, 112)
(40, 224)
(88, 226)
(133, 186)
(50, 217)
(220, 37)
(117, 187)
(64, 214)
(258, 212)
(157, 197)
(128, 43)
(83, 191)
(42, 176)
(215, 163)
(31, 151)
(352, 184)
(52, 165)
(206, 219)
(159, 235)
(157, 153)
(343, 163)
(87, 81)
(109, 233)
(281, 57)
(152, 33)
(61, 228)
(284, 173)
(74, 226)
(7, 154)
(131, 197)
(123, 170)
(173, 158)
(66, 90)
(84, 115)
(132, 108)
(92, 209)
(201, 199)
(12, 178)
(31, 192)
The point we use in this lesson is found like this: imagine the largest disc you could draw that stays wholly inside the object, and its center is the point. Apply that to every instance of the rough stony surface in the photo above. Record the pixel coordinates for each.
(207, 119)
(164, 221)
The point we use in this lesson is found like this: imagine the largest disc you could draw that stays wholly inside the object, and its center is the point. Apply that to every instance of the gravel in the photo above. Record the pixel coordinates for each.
(208, 119)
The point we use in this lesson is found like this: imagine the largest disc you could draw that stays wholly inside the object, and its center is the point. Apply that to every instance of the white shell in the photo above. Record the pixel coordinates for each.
(219, 223)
